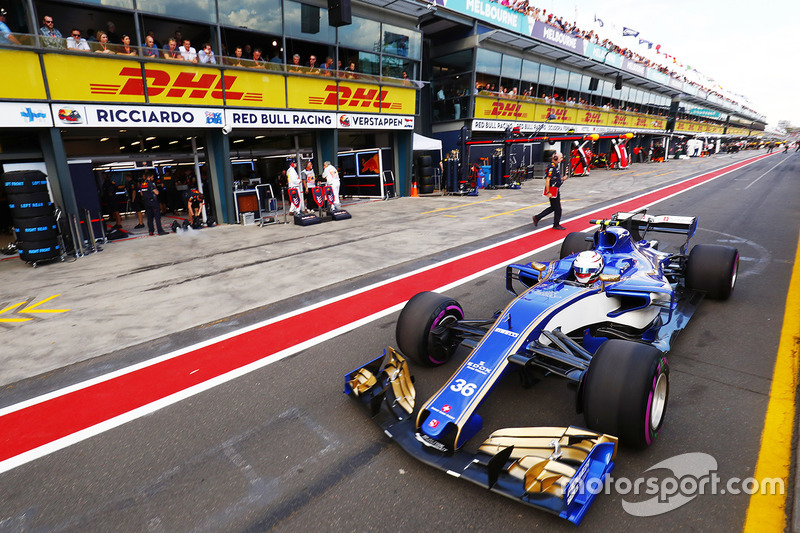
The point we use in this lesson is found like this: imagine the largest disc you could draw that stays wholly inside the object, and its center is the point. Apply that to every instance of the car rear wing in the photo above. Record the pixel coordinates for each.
(639, 224)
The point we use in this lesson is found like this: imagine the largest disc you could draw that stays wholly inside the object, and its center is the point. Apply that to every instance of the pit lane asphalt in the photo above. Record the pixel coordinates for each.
(204, 465)
(150, 295)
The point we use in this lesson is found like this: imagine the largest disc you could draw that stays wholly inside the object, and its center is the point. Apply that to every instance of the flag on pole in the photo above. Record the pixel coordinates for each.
(648, 43)
(629, 32)
(599, 21)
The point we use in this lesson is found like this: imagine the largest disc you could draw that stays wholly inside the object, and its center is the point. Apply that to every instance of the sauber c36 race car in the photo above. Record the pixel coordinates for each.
(603, 317)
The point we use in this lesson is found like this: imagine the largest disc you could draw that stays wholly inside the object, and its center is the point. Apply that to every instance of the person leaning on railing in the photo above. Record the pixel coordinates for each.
(5, 31)
(125, 49)
(51, 37)
(102, 46)
(76, 42)
(150, 49)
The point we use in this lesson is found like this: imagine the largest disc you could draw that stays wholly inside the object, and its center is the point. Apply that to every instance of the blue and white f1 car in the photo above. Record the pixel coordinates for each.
(602, 317)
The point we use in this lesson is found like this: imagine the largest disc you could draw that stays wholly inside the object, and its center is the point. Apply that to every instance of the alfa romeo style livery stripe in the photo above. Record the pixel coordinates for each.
(39, 426)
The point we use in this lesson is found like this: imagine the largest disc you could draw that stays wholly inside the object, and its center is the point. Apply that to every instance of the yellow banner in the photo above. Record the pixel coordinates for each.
(82, 77)
(564, 115)
(22, 74)
(255, 89)
(592, 117)
(182, 85)
(324, 95)
(504, 109)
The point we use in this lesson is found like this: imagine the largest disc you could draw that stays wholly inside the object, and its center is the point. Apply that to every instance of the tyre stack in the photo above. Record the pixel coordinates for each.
(425, 174)
(33, 215)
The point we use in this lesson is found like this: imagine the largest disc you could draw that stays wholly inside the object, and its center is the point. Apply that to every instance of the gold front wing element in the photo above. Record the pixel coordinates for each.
(400, 378)
(362, 381)
(546, 457)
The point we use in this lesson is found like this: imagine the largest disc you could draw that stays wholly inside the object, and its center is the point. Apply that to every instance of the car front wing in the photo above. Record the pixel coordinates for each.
(557, 469)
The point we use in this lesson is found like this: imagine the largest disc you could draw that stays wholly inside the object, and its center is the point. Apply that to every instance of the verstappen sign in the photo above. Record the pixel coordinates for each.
(66, 115)
(373, 122)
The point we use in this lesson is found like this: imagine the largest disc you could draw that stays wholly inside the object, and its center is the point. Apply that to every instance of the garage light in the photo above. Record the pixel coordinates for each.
(104, 139)
(173, 142)
(150, 138)
(238, 141)
(134, 143)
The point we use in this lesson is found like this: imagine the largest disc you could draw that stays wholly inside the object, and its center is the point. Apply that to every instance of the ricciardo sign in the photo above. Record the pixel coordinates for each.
(69, 115)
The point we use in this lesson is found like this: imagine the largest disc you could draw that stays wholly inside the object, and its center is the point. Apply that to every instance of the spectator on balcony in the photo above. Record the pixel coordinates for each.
(188, 52)
(52, 37)
(276, 59)
(152, 34)
(350, 70)
(295, 66)
(312, 64)
(206, 55)
(125, 49)
(171, 50)
(150, 49)
(5, 31)
(237, 60)
(102, 47)
(112, 33)
(76, 42)
(328, 66)
(258, 61)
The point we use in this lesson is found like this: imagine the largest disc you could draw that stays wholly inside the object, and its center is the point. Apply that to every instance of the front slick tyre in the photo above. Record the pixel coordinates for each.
(422, 332)
(625, 392)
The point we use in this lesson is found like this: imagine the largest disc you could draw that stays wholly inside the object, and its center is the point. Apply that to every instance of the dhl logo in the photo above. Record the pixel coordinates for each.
(561, 114)
(185, 85)
(641, 122)
(343, 96)
(620, 120)
(506, 109)
(592, 118)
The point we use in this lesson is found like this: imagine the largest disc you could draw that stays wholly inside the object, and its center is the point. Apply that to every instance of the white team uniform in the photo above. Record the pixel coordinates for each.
(331, 177)
(294, 182)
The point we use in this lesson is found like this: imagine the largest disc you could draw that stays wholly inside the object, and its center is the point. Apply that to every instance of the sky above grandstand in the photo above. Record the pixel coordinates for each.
(749, 48)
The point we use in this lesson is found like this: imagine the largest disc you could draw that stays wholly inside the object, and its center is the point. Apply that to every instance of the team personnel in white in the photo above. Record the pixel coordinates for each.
(293, 181)
(309, 182)
(331, 177)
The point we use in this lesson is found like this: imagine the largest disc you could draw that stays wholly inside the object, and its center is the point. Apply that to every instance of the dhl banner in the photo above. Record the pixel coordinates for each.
(22, 75)
(255, 89)
(504, 109)
(128, 116)
(79, 78)
(324, 95)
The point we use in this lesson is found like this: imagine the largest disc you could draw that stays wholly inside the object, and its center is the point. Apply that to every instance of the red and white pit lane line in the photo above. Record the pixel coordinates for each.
(42, 425)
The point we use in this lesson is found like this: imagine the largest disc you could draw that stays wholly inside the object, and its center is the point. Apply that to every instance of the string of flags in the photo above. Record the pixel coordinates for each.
(631, 32)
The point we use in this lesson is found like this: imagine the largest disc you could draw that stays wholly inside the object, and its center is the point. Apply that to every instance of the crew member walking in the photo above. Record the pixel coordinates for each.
(151, 204)
(552, 186)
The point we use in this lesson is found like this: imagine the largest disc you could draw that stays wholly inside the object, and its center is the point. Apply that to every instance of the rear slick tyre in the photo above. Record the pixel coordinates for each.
(422, 331)
(625, 392)
(713, 269)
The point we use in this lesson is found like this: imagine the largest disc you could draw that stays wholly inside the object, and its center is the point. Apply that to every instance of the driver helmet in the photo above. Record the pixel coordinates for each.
(587, 266)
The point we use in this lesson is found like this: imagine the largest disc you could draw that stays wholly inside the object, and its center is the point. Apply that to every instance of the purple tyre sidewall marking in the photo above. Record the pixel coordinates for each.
(438, 319)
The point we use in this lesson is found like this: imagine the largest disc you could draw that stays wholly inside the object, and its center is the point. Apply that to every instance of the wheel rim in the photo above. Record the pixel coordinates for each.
(444, 318)
(659, 402)
(735, 271)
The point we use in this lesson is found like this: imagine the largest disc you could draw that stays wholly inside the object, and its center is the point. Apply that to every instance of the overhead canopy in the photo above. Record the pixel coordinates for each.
(422, 143)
